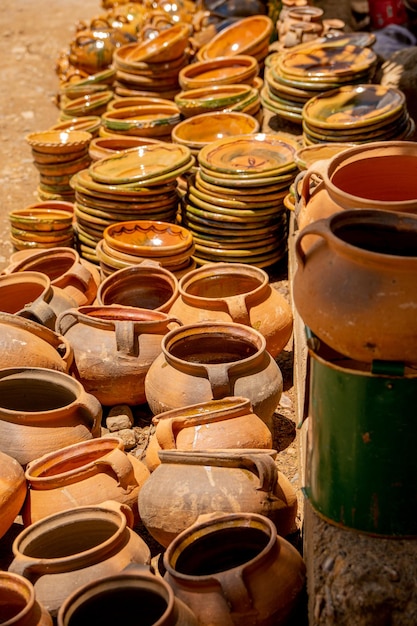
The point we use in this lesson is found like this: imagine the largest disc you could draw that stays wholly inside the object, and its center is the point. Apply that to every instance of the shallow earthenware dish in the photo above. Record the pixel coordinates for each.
(199, 130)
(168, 44)
(219, 71)
(245, 36)
(59, 141)
(148, 237)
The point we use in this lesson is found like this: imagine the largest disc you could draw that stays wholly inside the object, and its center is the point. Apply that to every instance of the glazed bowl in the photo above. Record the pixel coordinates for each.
(249, 35)
(220, 71)
(135, 101)
(91, 104)
(102, 147)
(43, 216)
(199, 130)
(214, 98)
(59, 141)
(167, 45)
(148, 238)
(154, 120)
(89, 123)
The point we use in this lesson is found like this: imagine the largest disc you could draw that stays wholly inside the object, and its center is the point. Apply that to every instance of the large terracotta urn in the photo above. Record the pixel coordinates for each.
(212, 360)
(119, 598)
(114, 347)
(188, 484)
(235, 570)
(42, 410)
(31, 295)
(64, 551)
(19, 605)
(226, 423)
(26, 343)
(355, 287)
(13, 489)
(84, 473)
(377, 175)
(235, 292)
(66, 270)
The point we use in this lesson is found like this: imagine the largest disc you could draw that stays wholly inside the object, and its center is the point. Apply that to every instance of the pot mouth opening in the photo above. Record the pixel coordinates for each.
(378, 237)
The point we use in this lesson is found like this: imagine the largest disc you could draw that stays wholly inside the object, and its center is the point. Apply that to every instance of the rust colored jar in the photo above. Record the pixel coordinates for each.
(18, 603)
(31, 295)
(209, 361)
(65, 270)
(62, 552)
(189, 484)
(114, 347)
(25, 343)
(81, 474)
(226, 423)
(355, 288)
(146, 286)
(13, 490)
(119, 599)
(235, 292)
(244, 570)
(42, 410)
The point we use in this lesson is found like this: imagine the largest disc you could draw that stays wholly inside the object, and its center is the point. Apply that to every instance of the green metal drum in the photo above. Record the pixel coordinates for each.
(361, 465)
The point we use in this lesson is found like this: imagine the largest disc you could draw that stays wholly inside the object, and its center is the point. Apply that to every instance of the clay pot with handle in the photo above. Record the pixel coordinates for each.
(18, 602)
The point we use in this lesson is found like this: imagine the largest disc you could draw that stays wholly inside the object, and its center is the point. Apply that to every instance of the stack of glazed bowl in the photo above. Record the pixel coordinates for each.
(357, 114)
(234, 204)
(151, 67)
(130, 243)
(233, 97)
(58, 155)
(294, 76)
(249, 35)
(42, 225)
(154, 120)
(138, 183)
(237, 69)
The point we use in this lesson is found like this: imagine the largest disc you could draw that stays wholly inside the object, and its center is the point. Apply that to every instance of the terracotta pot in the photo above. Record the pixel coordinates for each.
(25, 343)
(354, 288)
(62, 552)
(114, 347)
(206, 361)
(118, 598)
(65, 269)
(188, 484)
(42, 410)
(81, 474)
(18, 602)
(13, 490)
(377, 175)
(31, 295)
(146, 286)
(226, 423)
(246, 572)
(235, 292)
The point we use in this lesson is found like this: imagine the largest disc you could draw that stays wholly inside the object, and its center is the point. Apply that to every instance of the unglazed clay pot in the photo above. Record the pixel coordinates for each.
(81, 474)
(118, 598)
(188, 484)
(13, 488)
(29, 344)
(62, 552)
(114, 347)
(42, 410)
(31, 295)
(235, 292)
(355, 287)
(209, 361)
(18, 602)
(65, 270)
(226, 423)
(146, 286)
(244, 570)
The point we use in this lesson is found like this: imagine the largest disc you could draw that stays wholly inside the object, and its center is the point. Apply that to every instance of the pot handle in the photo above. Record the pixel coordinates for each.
(118, 461)
(41, 312)
(125, 337)
(238, 309)
(265, 468)
(165, 435)
(93, 412)
(219, 380)
(319, 227)
(77, 271)
(319, 168)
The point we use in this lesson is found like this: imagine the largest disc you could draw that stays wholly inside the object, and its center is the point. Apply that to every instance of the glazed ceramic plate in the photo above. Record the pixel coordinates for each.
(147, 237)
(231, 203)
(194, 207)
(243, 36)
(197, 131)
(139, 164)
(266, 191)
(82, 181)
(326, 61)
(219, 71)
(251, 185)
(255, 154)
(305, 157)
(265, 260)
(357, 105)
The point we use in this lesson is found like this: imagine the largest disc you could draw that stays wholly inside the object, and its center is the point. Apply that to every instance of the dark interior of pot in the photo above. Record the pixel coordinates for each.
(212, 348)
(32, 395)
(148, 292)
(379, 237)
(222, 286)
(15, 297)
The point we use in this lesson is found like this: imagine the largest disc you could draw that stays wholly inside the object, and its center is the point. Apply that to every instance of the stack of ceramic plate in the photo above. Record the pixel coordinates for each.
(42, 225)
(151, 67)
(357, 114)
(234, 205)
(138, 183)
(249, 35)
(130, 243)
(295, 76)
(58, 155)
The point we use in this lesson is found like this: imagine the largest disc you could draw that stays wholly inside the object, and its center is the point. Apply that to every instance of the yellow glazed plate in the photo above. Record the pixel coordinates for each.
(326, 61)
(148, 237)
(139, 164)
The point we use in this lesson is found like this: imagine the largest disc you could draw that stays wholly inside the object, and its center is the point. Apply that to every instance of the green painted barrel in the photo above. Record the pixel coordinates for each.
(361, 465)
